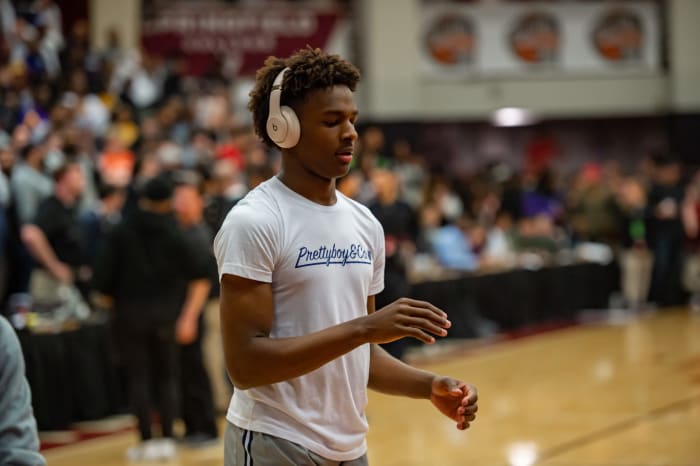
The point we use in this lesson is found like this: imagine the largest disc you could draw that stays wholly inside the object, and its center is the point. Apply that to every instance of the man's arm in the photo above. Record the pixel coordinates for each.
(394, 377)
(196, 299)
(39, 247)
(453, 398)
(25, 199)
(253, 358)
(689, 214)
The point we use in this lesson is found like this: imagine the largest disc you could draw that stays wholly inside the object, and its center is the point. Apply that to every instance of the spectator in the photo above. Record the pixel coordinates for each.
(145, 273)
(457, 245)
(439, 192)
(691, 225)
(90, 111)
(665, 230)
(54, 237)
(4, 234)
(123, 127)
(635, 259)
(368, 158)
(200, 149)
(539, 196)
(411, 171)
(7, 20)
(400, 233)
(592, 208)
(30, 186)
(19, 442)
(116, 163)
(499, 251)
(197, 397)
(139, 80)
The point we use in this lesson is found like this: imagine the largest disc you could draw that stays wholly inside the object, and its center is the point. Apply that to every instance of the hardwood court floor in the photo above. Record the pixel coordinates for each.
(623, 394)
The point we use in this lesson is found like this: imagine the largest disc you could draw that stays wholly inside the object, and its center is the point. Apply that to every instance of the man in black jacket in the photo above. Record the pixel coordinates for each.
(145, 272)
(198, 412)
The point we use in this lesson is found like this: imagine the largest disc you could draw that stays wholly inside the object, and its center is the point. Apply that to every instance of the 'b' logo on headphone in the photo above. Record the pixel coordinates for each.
(274, 127)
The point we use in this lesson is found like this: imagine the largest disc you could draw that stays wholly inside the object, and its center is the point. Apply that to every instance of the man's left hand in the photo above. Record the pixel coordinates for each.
(185, 330)
(455, 399)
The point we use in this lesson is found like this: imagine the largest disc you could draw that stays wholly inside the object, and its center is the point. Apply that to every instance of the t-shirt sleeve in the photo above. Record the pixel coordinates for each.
(377, 284)
(46, 220)
(195, 259)
(247, 244)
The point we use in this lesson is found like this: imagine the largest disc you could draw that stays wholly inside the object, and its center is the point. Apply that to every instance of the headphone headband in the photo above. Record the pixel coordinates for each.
(276, 93)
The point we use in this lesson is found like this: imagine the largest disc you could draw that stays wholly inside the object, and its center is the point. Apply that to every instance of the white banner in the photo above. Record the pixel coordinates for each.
(524, 39)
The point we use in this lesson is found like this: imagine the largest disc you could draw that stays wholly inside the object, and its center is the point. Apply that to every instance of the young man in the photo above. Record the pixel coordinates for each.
(300, 265)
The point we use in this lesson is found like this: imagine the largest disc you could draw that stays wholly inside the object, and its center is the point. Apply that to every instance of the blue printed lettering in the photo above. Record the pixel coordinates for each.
(333, 255)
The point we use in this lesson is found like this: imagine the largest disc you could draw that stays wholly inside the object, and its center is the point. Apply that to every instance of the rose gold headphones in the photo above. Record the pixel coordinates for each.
(282, 123)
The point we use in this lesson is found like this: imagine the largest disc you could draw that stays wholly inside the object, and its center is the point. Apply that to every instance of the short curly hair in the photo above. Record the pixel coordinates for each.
(309, 69)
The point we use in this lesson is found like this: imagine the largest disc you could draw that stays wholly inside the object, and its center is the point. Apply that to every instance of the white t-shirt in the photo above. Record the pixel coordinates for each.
(323, 262)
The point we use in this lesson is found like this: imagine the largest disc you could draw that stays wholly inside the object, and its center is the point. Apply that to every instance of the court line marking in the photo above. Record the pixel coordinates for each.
(615, 428)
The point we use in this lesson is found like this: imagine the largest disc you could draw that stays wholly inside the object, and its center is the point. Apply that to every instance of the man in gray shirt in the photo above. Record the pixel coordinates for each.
(19, 442)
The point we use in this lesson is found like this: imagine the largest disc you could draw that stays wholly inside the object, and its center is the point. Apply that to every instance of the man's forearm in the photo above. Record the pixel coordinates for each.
(393, 377)
(268, 360)
(39, 247)
(196, 299)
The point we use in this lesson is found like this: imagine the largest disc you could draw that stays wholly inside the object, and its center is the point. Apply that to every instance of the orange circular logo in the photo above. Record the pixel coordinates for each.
(618, 36)
(536, 38)
(450, 40)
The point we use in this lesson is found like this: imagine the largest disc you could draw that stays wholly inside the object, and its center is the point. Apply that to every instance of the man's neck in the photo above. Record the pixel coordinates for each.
(190, 222)
(388, 200)
(35, 165)
(315, 189)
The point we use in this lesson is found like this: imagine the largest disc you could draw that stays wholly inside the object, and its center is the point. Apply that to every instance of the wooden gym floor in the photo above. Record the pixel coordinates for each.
(621, 393)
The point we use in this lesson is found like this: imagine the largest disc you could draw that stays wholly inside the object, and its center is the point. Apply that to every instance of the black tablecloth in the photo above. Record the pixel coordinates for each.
(72, 376)
(519, 298)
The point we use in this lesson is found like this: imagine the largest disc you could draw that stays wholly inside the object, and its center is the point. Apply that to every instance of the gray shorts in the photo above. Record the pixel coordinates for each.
(248, 448)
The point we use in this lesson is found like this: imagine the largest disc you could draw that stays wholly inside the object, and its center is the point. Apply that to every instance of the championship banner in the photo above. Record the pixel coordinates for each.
(239, 37)
(517, 39)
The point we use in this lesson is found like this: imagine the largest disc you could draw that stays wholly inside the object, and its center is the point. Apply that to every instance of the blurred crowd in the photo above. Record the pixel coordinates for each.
(82, 130)
(644, 217)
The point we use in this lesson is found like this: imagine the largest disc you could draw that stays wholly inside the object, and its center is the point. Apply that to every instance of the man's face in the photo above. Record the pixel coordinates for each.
(386, 183)
(74, 179)
(187, 204)
(328, 135)
(7, 159)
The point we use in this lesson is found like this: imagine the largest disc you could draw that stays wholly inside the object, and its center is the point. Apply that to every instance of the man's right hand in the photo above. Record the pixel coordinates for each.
(405, 317)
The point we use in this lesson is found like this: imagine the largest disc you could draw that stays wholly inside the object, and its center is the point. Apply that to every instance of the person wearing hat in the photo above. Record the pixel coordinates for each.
(145, 271)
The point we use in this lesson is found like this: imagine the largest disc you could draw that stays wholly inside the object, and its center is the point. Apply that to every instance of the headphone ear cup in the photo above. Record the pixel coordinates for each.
(293, 128)
(277, 128)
